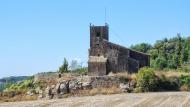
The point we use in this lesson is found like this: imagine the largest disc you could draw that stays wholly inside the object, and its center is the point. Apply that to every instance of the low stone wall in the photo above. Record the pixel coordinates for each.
(104, 82)
(75, 85)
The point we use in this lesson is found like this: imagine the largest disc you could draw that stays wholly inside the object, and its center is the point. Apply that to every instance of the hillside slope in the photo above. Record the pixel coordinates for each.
(10, 80)
(162, 99)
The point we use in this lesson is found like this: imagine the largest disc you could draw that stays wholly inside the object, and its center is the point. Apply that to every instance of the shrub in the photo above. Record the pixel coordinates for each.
(185, 80)
(146, 80)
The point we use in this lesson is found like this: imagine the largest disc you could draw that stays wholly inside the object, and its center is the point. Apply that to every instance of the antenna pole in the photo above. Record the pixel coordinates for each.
(105, 15)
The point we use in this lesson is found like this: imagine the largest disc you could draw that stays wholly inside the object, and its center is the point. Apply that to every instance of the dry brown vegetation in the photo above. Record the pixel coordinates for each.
(171, 73)
(184, 88)
(167, 74)
(96, 91)
(126, 75)
(20, 97)
(105, 91)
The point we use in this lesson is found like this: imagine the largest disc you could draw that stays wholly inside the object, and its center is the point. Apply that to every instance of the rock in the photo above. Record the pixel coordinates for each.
(57, 88)
(111, 74)
(64, 87)
(73, 85)
(40, 96)
(47, 90)
(128, 87)
(133, 84)
(53, 91)
(30, 93)
(37, 90)
(48, 93)
(86, 85)
(79, 86)
(124, 87)
(52, 86)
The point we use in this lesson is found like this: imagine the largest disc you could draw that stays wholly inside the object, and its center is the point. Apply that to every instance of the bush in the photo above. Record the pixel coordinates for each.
(185, 80)
(146, 80)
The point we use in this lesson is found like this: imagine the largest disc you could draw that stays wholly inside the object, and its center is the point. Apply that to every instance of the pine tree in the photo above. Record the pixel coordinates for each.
(64, 67)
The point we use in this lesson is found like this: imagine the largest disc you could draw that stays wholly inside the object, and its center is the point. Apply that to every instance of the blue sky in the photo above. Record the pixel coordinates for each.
(35, 35)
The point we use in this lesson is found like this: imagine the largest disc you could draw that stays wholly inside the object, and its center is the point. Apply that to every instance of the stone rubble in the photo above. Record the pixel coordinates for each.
(85, 83)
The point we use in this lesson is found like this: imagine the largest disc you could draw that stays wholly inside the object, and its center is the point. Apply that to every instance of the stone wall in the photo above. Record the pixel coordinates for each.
(77, 84)
(104, 82)
(142, 58)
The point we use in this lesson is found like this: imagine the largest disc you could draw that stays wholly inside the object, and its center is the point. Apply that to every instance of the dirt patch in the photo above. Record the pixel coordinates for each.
(162, 99)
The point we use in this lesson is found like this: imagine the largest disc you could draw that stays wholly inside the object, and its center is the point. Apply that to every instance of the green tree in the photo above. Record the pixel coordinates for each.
(170, 53)
(177, 55)
(160, 63)
(184, 56)
(64, 67)
(153, 54)
(143, 47)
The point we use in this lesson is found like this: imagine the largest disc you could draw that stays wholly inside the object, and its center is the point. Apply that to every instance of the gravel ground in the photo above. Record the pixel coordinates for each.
(160, 99)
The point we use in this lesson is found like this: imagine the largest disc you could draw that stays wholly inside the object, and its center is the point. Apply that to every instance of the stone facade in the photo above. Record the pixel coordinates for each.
(105, 57)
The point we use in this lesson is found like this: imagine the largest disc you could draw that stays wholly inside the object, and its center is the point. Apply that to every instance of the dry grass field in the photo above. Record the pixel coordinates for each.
(160, 99)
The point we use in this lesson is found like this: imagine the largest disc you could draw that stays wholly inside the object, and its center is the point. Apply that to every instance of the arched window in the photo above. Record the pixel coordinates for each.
(98, 34)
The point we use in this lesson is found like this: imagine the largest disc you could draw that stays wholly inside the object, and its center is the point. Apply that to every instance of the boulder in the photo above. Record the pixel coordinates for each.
(124, 87)
(40, 96)
(57, 88)
(128, 87)
(73, 86)
(86, 85)
(64, 87)
(53, 91)
(48, 93)
(133, 84)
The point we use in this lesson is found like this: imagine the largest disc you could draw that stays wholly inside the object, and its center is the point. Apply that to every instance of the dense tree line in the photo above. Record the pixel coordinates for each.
(170, 53)
(13, 79)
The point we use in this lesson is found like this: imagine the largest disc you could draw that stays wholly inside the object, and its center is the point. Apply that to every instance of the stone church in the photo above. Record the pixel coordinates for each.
(105, 57)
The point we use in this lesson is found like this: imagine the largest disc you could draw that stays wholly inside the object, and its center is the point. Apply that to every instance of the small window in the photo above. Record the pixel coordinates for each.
(98, 34)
